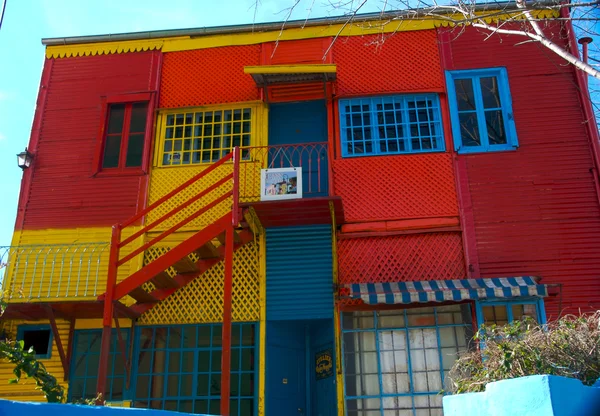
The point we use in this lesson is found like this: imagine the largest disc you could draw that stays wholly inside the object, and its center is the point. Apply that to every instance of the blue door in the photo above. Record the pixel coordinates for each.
(293, 128)
(300, 368)
(286, 369)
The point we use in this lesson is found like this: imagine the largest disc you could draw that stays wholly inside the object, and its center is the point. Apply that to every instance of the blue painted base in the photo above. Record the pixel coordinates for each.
(10, 408)
(533, 396)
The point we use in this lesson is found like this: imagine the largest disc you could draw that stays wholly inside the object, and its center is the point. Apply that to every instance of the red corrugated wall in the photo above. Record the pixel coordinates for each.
(62, 191)
(536, 210)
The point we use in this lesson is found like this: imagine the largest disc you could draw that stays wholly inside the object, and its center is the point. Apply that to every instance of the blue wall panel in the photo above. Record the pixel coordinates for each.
(299, 273)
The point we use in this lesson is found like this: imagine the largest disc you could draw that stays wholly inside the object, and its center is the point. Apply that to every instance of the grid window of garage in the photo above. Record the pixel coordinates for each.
(86, 359)
(179, 368)
(395, 361)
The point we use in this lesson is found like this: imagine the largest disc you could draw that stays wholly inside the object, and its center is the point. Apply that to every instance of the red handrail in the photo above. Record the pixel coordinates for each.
(179, 189)
(235, 156)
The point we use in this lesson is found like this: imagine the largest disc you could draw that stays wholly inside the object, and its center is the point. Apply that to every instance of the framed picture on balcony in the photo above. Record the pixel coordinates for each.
(280, 183)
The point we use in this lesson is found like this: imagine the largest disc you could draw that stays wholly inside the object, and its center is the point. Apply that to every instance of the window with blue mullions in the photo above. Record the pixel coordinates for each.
(502, 312)
(395, 361)
(481, 110)
(86, 359)
(179, 368)
(391, 125)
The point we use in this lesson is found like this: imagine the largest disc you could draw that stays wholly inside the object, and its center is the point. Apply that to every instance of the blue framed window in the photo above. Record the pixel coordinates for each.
(38, 337)
(481, 110)
(395, 361)
(179, 368)
(86, 359)
(391, 125)
(502, 312)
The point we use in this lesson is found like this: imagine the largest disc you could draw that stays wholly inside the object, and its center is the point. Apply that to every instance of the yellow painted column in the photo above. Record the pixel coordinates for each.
(262, 325)
(336, 318)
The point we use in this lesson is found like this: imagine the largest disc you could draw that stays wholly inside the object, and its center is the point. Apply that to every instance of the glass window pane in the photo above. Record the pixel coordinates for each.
(495, 127)
(490, 92)
(465, 97)
(469, 129)
(112, 151)
(116, 116)
(135, 150)
(138, 118)
(495, 315)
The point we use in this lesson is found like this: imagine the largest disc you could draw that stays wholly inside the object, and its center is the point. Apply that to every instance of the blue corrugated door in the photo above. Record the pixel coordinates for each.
(299, 273)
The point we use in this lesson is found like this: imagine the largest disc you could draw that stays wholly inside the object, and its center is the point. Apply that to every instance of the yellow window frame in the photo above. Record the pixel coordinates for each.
(258, 131)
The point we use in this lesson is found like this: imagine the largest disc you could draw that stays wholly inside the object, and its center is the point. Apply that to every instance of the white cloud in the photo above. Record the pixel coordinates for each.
(2, 137)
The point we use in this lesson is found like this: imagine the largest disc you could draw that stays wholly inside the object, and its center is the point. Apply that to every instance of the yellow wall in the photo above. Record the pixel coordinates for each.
(163, 179)
(52, 270)
(201, 301)
(25, 389)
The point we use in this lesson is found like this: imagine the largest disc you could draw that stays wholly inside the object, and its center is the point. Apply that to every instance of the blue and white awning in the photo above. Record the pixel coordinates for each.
(447, 290)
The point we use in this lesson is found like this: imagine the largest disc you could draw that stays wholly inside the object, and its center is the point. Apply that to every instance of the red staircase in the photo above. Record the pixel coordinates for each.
(190, 258)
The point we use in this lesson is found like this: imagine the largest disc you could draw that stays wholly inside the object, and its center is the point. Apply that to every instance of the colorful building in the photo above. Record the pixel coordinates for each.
(445, 181)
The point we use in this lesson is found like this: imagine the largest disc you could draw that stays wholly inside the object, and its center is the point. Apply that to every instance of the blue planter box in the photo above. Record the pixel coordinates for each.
(10, 408)
(531, 396)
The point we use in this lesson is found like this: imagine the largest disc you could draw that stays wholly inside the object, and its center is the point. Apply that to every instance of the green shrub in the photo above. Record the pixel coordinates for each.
(568, 347)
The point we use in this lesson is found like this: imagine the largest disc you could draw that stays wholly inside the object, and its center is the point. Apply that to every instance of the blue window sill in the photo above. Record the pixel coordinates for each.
(394, 154)
(478, 149)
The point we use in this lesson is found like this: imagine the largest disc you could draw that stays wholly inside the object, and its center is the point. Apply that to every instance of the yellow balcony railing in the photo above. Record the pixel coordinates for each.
(51, 272)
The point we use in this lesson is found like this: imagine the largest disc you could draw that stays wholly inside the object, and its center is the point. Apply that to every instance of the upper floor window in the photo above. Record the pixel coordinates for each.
(391, 125)
(205, 135)
(125, 132)
(481, 110)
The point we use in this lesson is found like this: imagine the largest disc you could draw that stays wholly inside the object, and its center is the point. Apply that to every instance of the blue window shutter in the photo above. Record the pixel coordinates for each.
(506, 106)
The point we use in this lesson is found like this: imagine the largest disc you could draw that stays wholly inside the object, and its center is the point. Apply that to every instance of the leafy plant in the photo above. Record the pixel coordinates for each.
(26, 364)
(568, 347)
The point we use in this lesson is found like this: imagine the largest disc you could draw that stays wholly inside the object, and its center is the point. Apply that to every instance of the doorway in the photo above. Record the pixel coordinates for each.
(300, 368)
(294, 131)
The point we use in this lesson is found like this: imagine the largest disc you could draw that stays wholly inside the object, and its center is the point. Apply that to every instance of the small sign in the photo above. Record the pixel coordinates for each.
(280, 183)
(324, 364)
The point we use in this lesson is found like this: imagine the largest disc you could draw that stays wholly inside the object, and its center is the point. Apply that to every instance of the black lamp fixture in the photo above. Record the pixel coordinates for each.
(24, 159)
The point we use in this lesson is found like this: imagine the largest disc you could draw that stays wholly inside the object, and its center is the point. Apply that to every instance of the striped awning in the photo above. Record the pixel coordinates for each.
(447, 290)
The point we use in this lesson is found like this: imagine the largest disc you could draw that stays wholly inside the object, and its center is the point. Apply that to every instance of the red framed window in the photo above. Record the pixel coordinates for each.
(124, 135)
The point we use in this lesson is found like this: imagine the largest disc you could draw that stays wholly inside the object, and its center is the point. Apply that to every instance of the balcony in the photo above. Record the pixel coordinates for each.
(73, 276)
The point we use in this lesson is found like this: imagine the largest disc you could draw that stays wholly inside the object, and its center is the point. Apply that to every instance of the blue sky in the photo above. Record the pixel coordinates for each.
(26, 22)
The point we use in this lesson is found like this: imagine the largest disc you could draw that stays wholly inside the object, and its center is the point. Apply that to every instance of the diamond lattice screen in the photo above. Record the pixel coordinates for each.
(432, 256)
(201, 301)
(396, 187)
(164, 180)
(208, 76)
(398, 62)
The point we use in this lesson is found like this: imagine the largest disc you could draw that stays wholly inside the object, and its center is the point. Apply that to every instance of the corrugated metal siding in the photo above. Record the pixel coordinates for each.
(25, 390)
(536, 210)
(299, 273)
(69, 275)
(63, 193)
